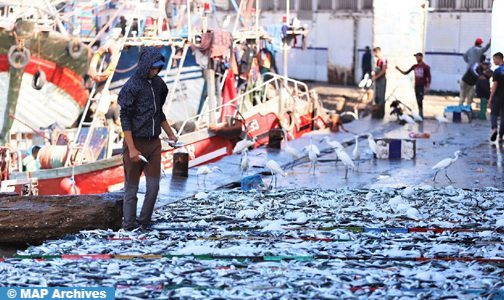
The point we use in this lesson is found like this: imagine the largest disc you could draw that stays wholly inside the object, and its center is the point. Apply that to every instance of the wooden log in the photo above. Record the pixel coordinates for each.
(34, 219)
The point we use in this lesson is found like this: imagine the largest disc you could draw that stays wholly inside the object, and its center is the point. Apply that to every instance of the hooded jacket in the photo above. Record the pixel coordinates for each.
(142, 100)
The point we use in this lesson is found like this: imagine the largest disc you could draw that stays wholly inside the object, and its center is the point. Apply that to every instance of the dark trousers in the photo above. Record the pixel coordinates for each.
(419, 94)
(380, 90)
(497, 110)
(151, 149)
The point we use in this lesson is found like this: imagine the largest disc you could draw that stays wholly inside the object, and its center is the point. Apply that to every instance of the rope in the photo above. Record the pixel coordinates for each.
(121, 71)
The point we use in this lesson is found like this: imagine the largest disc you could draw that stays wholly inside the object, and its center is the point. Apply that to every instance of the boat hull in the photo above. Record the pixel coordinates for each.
(107, 175)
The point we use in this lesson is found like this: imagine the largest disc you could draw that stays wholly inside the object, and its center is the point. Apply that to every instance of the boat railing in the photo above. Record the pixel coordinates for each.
(278, 81)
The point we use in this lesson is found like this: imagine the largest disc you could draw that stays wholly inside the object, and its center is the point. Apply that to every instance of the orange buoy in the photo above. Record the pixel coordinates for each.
(69, 186)
(93, 71)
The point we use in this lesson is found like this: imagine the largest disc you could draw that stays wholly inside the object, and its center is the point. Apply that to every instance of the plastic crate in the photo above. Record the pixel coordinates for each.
(396, 149)
(253, 182)
(458, 113)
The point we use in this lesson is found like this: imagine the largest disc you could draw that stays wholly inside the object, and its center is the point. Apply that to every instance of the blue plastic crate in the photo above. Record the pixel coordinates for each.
(253, 182)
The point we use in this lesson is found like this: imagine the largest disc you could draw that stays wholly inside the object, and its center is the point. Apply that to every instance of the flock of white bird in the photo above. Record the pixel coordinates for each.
(313, 153)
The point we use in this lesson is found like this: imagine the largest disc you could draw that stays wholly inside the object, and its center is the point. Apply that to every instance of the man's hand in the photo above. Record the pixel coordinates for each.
(134, 155)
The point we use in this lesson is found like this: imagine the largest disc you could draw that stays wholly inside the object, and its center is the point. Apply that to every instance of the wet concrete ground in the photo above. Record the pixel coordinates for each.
(479, 166)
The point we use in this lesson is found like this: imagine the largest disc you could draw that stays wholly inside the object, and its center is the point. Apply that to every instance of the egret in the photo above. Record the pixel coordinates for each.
(293, 152)
(445, 164)
(245, 162)
(334, 145)
(406, 118)
(356, 152)
(243, 144)
(345, 158)
(205, 170)
(372, 144)
(441, 119)
(363, 82)
(416, 116)
(275, 169)
(313, 153)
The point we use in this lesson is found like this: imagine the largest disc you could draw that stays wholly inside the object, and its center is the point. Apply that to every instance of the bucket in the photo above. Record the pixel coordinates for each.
(276, 136)
(52, 156)
(335, 121)
(181, 164)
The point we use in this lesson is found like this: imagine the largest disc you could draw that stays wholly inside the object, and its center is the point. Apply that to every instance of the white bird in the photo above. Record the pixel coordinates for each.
(275, 169)
(293, 152)
(313, 153)
(416, 116)
(243, 144)
(441, 119)
(245, 162)
(445, 164)
(334, 145)
(369, 83)
(356, 152)
(345, 158)
(364, 81)
(372, 144)
(205, 170)
(406, 118)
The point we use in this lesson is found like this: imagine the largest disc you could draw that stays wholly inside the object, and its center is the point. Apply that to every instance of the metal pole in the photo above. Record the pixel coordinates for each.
(210, 79)
(285, 56)
(257, 22)
(189, 27)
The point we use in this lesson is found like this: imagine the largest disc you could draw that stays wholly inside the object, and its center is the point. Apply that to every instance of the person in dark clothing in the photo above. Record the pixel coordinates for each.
(483, 88)
(122, 25)
(497, 97)
(423, 79)
(366, 62)
(141, 100)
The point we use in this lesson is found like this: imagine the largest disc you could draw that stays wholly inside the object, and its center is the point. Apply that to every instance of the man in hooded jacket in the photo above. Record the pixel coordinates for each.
(141, 100)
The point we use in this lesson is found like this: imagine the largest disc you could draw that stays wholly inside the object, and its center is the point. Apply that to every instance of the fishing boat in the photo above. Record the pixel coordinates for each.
(88, 164)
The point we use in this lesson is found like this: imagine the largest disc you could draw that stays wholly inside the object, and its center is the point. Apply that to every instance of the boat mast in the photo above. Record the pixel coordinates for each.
(285, 44)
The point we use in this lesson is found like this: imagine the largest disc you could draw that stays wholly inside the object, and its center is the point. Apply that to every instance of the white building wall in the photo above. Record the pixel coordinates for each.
(448, 36)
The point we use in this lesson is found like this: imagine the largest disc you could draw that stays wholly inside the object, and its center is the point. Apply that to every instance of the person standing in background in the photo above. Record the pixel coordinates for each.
(497, 97)
(366, 62)
(380, 80)
(423, 79)
(473, 54)
(483, 88)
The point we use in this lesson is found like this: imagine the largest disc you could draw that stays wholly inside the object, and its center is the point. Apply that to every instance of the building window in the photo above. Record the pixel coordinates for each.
(305, 5)
(282, 4)
(473, 4)
(346, 5)
(367, 4)
(446, 4)
(324, 5)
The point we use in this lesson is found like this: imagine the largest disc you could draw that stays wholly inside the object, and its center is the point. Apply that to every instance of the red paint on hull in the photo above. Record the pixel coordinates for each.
(200, 152)
(60, 76)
